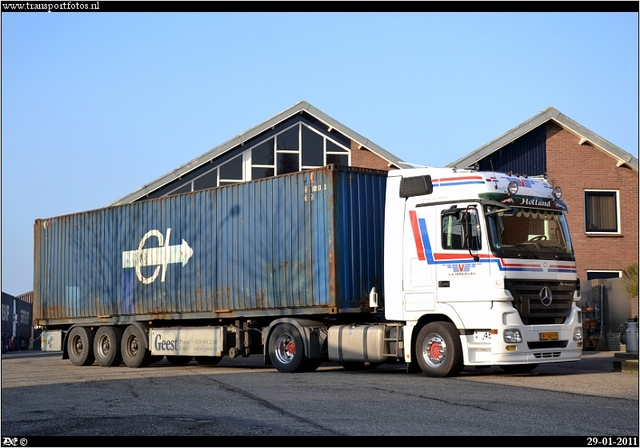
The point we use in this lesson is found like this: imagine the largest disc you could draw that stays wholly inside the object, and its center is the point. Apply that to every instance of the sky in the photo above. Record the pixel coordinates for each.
(96, 105)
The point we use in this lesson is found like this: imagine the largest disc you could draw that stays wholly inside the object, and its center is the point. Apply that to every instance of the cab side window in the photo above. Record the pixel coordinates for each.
(454, 231)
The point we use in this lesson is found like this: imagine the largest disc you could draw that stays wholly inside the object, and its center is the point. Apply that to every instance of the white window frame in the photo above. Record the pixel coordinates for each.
(617, 199)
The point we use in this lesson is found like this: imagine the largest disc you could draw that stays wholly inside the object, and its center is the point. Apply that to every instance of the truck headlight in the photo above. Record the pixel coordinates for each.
(577, 334)
(512, 336)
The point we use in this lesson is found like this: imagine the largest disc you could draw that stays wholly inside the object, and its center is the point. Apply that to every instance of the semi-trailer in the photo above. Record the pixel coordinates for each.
(438, 268)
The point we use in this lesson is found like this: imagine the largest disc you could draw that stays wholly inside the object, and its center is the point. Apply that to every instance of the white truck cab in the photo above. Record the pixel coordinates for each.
(480, 269)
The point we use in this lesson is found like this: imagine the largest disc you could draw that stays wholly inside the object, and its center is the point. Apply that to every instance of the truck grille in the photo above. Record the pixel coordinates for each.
(537, 345)
(528, 300)
(547, 355)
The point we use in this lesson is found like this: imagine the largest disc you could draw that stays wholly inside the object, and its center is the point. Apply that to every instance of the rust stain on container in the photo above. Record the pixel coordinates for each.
(260, 299)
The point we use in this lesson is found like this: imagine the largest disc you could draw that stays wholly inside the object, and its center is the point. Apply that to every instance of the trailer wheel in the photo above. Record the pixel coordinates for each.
(208, 360)
(80, 346)
(106, 346)
(286, 349)
(439, 350)
(519, 368)
(179, 360)
(134, 353)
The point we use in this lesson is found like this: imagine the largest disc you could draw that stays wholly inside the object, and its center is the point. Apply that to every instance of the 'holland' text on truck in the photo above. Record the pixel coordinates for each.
(434, 267)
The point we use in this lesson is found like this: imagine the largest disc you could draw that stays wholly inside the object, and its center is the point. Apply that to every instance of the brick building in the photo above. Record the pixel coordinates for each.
(599, 182)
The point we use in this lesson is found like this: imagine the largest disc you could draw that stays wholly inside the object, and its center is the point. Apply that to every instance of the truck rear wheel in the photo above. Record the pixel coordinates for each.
(80, 346)
(286, 349)
(106, 346)
(134, 353)
(438, 349)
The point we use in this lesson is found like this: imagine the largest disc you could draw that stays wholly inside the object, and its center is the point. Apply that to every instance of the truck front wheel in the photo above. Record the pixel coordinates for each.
(80, 346)
(286, 349)
(439, 350)
(133, 350)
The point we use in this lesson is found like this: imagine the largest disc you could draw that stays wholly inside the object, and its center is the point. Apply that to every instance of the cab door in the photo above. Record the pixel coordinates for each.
(461, 254)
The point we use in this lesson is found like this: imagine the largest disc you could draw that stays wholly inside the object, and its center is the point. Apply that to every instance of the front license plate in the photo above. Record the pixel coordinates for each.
(549, 336)
(481, 336)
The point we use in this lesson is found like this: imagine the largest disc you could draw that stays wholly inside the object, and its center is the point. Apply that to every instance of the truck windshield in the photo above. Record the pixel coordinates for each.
(528, 233)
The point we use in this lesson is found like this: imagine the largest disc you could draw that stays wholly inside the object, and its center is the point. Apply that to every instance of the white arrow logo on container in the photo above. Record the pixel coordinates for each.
(156, 256)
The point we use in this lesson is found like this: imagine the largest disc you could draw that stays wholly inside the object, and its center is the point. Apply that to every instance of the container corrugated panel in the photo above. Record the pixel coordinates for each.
(24, 315)
(26, 297)
(303, 243)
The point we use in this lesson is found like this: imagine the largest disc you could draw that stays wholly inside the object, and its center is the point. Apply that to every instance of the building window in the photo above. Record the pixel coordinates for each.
(592, 275)
(207, 180)
(296, 148)
(601, 211)
(231, 171)
(186, 188)
(313, 148)
(337, 154)
(263, 154)
(287, 150)
(262, 160)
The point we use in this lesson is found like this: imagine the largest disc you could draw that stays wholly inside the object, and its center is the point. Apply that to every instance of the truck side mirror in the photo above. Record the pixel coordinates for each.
(470, 242)
(415, 186)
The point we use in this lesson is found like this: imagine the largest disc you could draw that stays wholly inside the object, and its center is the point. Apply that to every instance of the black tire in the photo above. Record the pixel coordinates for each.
(107, 346)
(179, 360)
(439, 350)
(80, 346)
(208, 360)
(286, 349)
(157, 358)
(519, 368)
(134, 352)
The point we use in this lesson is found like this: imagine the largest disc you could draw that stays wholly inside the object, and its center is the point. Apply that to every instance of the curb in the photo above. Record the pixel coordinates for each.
(629, 366)
(625, 362)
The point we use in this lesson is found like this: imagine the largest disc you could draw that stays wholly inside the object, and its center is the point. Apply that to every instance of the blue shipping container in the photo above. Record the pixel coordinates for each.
(309, 242)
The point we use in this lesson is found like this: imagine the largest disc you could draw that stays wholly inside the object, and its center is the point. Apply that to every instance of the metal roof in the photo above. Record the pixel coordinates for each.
(301, 106)
(565, 122)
